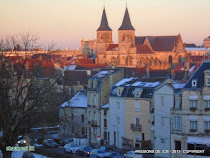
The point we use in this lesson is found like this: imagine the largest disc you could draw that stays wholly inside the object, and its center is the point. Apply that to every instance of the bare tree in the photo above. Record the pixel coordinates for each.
(22, 87)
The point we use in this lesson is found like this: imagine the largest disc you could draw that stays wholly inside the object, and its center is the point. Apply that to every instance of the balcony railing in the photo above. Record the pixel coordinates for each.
(136, 127)
(93, 123)
(126, 141)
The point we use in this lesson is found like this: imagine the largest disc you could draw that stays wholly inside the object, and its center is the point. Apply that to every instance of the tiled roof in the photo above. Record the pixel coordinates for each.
(199, 75)
(112, 47)
(162, 43)
(126, 24)
(104, 23)
(143, 49)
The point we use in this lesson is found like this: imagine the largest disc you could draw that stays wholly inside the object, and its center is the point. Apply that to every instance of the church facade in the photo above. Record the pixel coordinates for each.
(154, 52)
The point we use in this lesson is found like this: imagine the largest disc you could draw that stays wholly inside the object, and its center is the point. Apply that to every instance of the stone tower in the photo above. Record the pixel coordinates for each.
(126, 40)
(104, 38)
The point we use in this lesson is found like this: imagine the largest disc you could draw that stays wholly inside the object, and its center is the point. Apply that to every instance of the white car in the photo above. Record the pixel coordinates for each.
(133, 154)
(71, 148)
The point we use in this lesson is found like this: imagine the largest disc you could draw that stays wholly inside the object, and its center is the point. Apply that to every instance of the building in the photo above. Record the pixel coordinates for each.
(130, 110)
(73, 116)
(163, 102)
(99, 86)
(207, 42)
(88, 46)
(156, 52)
(191, 115)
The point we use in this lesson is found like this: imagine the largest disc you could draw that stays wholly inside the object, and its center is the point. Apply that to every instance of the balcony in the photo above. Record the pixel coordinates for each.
(126, 141)
(136, 127)
(93, 123)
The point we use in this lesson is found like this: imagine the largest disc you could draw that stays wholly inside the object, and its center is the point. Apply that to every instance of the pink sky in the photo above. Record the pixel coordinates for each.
(66, 22)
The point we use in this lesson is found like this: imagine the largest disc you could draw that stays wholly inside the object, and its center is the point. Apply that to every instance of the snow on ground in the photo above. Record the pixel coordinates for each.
(19, 154)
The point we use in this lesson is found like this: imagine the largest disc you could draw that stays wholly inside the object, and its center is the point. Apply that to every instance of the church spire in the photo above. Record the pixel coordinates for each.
(104, 23)
(126, 24)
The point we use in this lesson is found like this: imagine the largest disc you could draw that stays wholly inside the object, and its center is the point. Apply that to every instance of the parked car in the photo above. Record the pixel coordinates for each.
(49, 143)
(106, 148)
(84, 151)
(97, 153)
(71, 148)
(133, 154)
(66, 141)
(112, 155)
(22, 141)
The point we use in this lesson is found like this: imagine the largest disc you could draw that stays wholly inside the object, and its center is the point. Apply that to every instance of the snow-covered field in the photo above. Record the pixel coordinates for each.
(19, 154)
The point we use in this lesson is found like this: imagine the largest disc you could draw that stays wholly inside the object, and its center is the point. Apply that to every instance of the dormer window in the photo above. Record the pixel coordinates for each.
(90, 84)
(194, 83)
(95, 84)
(208, 80)
(137, 92)
(119, 90)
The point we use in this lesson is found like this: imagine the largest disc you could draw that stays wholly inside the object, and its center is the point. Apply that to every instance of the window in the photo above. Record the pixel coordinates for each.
(137, 105)
(193, 103)
(118, 121)
(78, 83)
(194, 83)
(193, 125)
(95, 116)
(207, 125)
(105, 135)
(138, 137)
(178, 102)
(72, 116)
(142, 136)
(89, 115)
(162, 100)
(137, 121)
(82, 118)
(177, 126)
(207, 103)
(208, 80)
(105, 122)
(95, 100)
(118, 105)
(83, 131)
(105, 112)
(177, 145)
(162, 140)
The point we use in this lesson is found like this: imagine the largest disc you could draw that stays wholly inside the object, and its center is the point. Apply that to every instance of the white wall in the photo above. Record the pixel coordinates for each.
(163, 102)
(114, 113)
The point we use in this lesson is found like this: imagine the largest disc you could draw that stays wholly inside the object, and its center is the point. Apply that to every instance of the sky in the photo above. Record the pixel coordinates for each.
(66, 22)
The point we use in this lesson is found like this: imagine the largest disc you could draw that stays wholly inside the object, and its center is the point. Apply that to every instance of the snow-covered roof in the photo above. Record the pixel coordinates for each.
(197, 49)
(123, 81)
(192, 68)
(101, 74)
(70, 67)
(79, 100)
(106, 106)
(178, 85)
(151, 84)
(206, 97)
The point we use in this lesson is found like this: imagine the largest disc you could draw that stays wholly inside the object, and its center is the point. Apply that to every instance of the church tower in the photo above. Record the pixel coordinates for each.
(104, 38)
(126, 39)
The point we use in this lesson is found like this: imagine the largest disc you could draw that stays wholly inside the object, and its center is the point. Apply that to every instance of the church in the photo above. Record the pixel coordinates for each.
(153, 52)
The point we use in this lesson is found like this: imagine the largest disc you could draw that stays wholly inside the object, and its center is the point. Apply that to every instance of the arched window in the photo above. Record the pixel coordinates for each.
(170, 60)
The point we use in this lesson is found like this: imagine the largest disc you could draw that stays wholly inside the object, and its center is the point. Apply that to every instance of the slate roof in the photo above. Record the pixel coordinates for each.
(158, 43)
(71, 77)
(126, 24)
(162, 43)
(130, 84)
(198, 75)
(104, 23)
(140, 39)
(143, 49)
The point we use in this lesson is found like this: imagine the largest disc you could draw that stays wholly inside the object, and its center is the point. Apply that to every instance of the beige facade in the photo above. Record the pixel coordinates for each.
(191, 116)
(137, 110)
(99, 86)
(207, 42)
